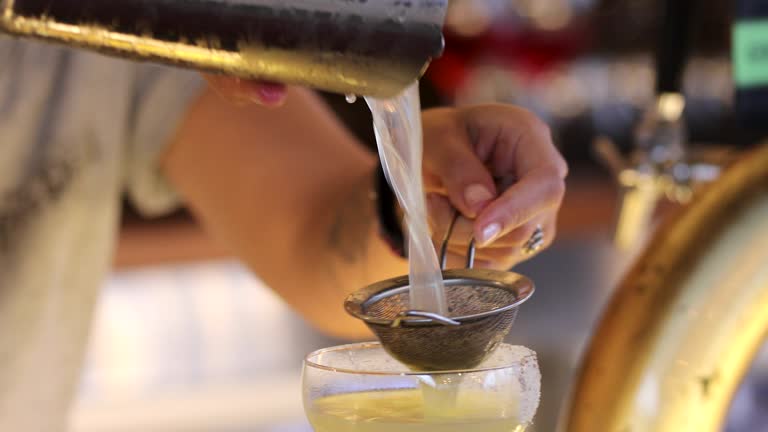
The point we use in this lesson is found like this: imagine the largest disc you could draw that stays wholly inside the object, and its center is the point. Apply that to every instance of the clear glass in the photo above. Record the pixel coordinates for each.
(361, 388)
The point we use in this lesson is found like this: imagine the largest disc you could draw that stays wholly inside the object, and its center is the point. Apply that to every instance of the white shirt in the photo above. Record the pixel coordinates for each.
(77, 130)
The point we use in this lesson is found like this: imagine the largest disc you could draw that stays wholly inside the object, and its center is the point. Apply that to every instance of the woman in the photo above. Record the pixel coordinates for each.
(287, 189)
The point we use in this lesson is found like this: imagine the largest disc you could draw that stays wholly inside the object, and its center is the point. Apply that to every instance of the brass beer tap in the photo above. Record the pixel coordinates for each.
(660, 166)
(657, 169)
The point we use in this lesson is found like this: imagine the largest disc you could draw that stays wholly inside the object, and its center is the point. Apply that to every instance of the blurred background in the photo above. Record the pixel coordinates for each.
(187, 339)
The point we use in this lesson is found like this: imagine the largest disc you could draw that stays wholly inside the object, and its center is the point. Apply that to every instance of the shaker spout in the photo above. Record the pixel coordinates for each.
(370, 48)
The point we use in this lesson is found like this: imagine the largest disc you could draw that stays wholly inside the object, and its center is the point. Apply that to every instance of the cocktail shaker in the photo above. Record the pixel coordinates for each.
(365, 47)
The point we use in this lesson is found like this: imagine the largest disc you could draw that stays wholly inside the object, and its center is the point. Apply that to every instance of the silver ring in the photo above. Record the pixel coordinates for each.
(535, 243)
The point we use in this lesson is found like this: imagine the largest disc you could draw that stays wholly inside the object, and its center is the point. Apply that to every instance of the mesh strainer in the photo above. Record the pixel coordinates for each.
(482, 307)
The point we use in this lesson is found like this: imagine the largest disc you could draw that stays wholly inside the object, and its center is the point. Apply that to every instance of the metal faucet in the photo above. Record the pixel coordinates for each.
(657, 169)
(370, 48)
(660, 166)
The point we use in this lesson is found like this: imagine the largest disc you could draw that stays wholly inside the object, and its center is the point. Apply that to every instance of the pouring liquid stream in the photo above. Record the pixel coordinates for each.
(397, 123)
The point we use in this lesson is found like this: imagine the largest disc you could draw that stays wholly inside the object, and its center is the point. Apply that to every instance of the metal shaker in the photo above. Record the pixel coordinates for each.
(365, 47)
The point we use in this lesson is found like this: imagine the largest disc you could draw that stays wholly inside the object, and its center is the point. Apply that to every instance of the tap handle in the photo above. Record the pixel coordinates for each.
(673, 45)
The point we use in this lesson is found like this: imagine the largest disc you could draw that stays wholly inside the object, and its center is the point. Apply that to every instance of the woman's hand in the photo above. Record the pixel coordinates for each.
(498, 166)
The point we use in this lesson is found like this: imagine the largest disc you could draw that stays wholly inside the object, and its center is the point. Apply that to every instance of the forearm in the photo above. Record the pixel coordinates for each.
(351, 252)
(288, 191)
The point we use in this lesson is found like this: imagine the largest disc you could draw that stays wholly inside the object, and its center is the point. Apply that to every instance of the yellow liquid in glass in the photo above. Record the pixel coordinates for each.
(405, 411)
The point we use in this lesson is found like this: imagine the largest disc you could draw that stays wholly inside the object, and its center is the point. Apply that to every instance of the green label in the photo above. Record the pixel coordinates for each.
(750, 53)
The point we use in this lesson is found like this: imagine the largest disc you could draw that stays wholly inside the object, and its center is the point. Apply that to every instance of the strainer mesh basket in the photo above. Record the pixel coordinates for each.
(482, 310)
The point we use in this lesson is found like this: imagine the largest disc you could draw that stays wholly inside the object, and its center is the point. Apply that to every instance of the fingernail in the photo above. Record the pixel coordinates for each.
(270, 94)
(489, 234)
(476, 195)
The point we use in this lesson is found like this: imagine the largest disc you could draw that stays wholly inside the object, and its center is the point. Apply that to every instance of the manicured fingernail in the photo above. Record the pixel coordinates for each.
(489, 234)
(476, 195)
(270, 94)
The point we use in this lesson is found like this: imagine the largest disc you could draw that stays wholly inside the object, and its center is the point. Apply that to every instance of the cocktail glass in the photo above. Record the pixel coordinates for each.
(361, 388)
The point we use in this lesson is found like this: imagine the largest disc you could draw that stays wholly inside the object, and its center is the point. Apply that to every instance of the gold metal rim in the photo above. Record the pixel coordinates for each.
(615, 372)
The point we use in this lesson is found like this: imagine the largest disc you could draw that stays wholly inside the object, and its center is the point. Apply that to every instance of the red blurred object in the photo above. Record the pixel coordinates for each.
(528, 51)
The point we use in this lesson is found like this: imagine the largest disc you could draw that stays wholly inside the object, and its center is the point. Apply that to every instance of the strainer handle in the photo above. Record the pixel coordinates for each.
(444, 246)
(404, 316)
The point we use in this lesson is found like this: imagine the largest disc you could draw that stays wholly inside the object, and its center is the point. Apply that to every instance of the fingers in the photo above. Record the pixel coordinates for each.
(465, 149)
(471, 155)
(538, 192)
(506, 256)
(241, 91)
(441, 212)
(464, 231)
(515, 140)
(501, 252)
(452, 163)
(522, 150)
